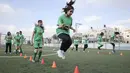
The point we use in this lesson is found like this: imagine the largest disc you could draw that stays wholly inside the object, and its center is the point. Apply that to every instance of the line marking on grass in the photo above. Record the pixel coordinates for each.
(27, 56)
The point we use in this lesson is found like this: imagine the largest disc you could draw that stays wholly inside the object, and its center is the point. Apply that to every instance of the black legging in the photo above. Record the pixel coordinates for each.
(85, 46)
(66, 41)
(8, 45)
(76, 46)
(113, 44)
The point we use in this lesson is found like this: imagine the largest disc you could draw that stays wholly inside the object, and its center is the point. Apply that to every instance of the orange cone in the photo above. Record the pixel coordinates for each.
(121, 54)
(76, 70)
(42, 62)
(25, 56)
(54, 64)
(20, 54)
(30, 58)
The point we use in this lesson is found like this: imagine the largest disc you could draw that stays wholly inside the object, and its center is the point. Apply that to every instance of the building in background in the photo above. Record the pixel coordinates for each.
(126, 35)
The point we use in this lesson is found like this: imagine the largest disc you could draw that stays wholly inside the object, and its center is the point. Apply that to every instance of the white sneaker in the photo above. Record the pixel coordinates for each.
(60, 54)
(33, 61)
(63, 57)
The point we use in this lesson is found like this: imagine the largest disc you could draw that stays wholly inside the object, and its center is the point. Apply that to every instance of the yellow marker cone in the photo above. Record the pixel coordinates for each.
(121, 54)
(25, 56)
(98, 52)
(109, 52)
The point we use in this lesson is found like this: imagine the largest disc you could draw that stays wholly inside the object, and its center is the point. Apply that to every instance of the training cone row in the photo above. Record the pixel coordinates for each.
(76, 70)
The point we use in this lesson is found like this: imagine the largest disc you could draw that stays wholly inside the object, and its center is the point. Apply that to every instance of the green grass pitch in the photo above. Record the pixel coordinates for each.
(87, 62)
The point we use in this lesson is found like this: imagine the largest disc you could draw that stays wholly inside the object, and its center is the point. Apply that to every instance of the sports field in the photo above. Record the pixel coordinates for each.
(87, 62)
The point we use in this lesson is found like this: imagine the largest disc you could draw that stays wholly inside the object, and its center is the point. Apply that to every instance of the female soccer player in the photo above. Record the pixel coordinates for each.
(17, 42)
(85, 42)
(115, 35)
(8, 39)
(64, 24)
(100, 40)
(21, 41)
(76, 43)
(37, 37)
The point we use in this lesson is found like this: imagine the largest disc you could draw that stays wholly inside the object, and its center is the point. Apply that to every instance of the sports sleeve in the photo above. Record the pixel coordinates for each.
(71, 21)
(35, 30)
(60, 20)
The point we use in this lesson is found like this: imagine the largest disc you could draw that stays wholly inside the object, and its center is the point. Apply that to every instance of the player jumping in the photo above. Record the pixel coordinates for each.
(100, 40)
(115, 35)
(64, 25)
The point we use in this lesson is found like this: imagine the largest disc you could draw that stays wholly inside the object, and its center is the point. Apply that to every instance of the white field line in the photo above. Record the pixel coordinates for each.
(27, 56)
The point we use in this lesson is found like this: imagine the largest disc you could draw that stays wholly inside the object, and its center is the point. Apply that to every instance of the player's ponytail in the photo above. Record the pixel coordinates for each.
(69, 6)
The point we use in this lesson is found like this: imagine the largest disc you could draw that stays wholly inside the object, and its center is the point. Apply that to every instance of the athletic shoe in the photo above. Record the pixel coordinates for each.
(63, 57)
(33, 61)
(113, 51)
(60, 54)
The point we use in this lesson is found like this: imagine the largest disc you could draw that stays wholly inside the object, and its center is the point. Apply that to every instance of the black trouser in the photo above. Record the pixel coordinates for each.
(76, 46)
(113, 44)
(66, 41)
(8, 45)
(85, 46)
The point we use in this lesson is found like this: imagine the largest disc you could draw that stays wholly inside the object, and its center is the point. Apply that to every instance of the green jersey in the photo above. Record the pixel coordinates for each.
(22, 38)
(100, 39)
(17, 39)
(85, 41)
(76, 42)
(112, 38)
(66, 21)
(8, 39)
(38, 36)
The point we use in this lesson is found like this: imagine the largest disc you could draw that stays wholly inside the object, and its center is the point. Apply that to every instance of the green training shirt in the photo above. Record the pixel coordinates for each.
(63, 20)
(112, 38)
(17, 39)
(22, 38)
(85, 41)
(100, 39)
(76, 42)
(8, 39)
(38, 33)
